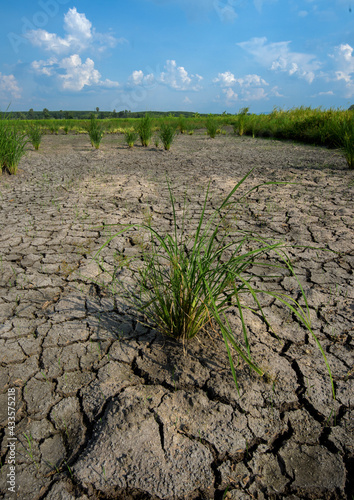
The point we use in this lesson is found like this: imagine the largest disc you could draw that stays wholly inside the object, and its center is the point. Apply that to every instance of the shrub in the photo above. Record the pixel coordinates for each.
(186, 283)
(95, 132)
(130, 137)
(144, 129)
(35, 134)
(167, 134)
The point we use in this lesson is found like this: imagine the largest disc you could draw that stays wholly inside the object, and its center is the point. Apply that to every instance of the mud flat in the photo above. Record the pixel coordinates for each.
(106, 408)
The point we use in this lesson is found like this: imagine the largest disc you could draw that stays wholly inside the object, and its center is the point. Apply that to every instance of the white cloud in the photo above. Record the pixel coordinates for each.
(78, 74)
(277, 56)
(9, 87)
(225, 10)
(226, 79)
(249, 87)
(230, 94)
(178, 78)
(254, 94)
(345, 66)
(46, 68)
(72, 73)
(138, 78)
(80, 36)
(251, 81)
(76, 24)
(186, 100)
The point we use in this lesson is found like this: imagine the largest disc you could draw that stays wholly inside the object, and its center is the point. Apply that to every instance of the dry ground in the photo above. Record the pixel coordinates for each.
(106, 408)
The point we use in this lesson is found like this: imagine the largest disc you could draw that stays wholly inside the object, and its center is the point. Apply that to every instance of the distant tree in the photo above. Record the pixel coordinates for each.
(97, 109)
(351, 108)
(30, 114)
(46, 113)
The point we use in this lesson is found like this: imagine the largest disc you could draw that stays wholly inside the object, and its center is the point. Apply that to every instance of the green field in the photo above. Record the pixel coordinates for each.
(330, 128)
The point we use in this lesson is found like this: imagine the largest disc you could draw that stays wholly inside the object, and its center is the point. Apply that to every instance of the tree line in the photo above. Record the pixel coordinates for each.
(45, 114)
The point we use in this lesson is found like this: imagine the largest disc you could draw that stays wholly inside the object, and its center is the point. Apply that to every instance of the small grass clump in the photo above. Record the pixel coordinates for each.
(212, 127)
(130, 138)
(95, 132)
(344, 138)
(13, 141)
(182, 124)
(35, 134)
(167, 134)
(239, 126)
(144, 129)
(185, 281)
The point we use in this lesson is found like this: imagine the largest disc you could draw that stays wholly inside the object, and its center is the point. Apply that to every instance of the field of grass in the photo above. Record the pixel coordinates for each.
(330, 128)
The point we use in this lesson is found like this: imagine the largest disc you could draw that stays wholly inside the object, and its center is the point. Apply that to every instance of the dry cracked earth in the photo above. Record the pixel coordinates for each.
(106, 407)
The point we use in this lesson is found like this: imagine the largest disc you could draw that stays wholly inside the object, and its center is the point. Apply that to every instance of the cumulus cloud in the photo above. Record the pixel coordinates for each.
(138, 78)
(344, 61)
(176, 77)
(251, 81)
(72, 73)
(9, 87)
(79, 36)
(248, 87)
(226, 79)
(277, 56)
(230, 95)
(46, 68)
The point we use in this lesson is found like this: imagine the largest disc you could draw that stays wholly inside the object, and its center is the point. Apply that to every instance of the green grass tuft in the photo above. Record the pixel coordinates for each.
(186, 282)
(95, 132)
(13, 141)
(144, 129)
(130, 137)
(167, 134)
(35, 133)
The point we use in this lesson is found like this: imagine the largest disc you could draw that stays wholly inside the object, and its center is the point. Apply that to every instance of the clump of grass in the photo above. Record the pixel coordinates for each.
(212, 127)
(186, 283)
(13, 143)
(167, 134)
(54, 127)
(95, 132)
(344, 138)
(130, 137)
(67, 126)
(182, 125)
(239, 126)
(144, 129)
(35, 135)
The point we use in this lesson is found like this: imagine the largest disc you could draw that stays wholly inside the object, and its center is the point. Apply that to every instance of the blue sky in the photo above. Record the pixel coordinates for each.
(191, 55)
